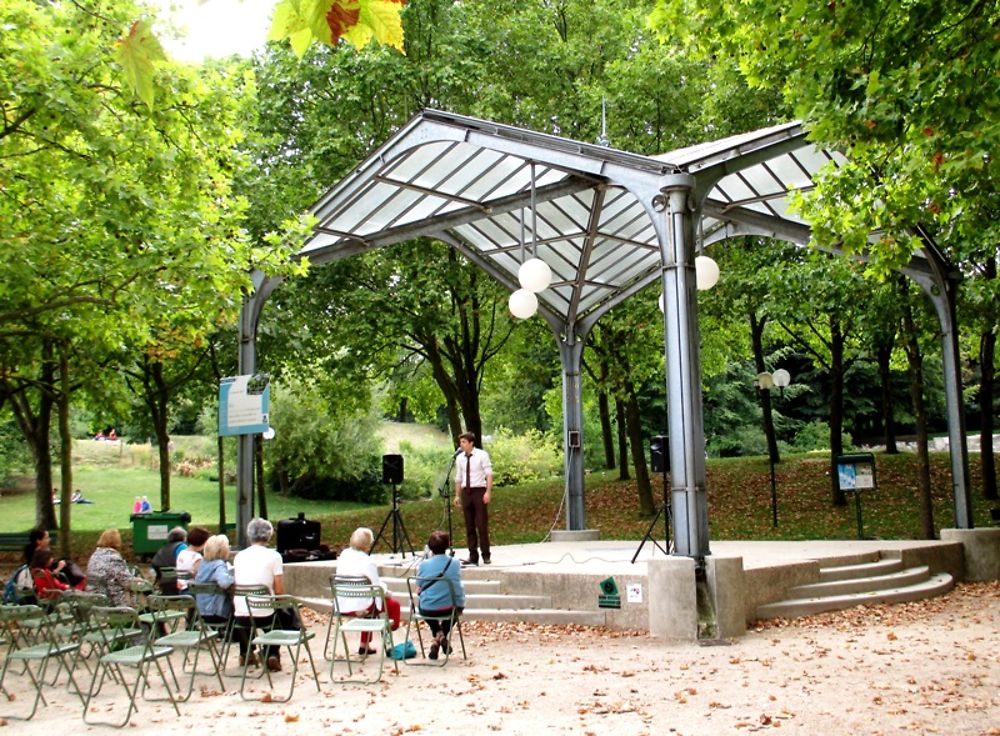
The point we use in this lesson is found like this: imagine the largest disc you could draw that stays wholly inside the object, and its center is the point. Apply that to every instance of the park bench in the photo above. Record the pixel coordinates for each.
(17, 541)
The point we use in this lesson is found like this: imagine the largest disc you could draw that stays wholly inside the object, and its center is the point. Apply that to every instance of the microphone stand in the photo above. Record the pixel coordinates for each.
(445, 492)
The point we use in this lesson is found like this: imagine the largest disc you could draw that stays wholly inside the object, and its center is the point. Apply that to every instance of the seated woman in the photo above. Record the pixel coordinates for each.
(355, 562)
(189, 558)
(166, 557)
(435, 597)
(47, 586)
(64, 569)
(217, 608)
(258, 565)
(107, 571)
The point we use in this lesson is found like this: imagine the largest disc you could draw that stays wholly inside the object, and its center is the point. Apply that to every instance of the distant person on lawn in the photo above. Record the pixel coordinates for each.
(473, 488)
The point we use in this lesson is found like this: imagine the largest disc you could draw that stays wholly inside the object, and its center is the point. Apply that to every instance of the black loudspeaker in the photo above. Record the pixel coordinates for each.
(659, 454)
(392, 469)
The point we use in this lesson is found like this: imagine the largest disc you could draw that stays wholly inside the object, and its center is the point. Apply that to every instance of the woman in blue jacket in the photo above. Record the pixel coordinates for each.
(436, 597)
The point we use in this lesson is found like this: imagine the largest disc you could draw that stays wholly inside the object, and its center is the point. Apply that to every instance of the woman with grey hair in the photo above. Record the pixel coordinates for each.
(258, 565)
(355, 562)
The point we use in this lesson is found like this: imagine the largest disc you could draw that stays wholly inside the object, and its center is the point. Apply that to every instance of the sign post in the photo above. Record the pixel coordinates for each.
(856, 473)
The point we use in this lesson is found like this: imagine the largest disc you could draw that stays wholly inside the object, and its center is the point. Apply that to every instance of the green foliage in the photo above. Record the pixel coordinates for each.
(15, 455)
(321, 448)
(521, 458)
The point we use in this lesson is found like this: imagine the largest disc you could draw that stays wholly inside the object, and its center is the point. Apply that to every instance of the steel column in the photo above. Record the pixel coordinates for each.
(676, 229)
(571, 358)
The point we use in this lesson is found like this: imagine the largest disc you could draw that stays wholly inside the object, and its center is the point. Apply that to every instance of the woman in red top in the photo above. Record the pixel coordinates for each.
(47, 585)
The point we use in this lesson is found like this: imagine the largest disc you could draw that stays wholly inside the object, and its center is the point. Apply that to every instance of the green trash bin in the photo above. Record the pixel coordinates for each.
(150, 530)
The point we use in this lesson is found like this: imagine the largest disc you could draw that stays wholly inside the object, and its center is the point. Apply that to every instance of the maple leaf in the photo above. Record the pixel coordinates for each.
(378, 20)
(139, 52)
(342, 16)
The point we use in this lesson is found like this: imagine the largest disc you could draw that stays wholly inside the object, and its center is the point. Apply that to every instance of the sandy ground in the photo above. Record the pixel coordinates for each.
(926, 668)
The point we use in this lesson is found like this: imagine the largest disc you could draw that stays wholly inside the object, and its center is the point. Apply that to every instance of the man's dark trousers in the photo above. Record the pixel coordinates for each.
(476, 522)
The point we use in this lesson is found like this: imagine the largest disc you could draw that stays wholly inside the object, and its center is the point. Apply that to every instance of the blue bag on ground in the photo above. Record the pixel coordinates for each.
(404, 650)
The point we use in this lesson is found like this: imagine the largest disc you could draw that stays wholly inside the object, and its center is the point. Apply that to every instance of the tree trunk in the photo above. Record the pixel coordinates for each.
(915, 362)
(35, 425)
(604, 411)
(221, 464)
(258, 457)
(987, 353)
(884, 355)
(157, 395)
(638, 446)
(836, 407)
(757, 344)
(623, 472)
(65, 457)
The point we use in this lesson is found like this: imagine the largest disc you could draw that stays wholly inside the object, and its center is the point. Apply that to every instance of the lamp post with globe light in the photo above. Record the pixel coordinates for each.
(765, 382)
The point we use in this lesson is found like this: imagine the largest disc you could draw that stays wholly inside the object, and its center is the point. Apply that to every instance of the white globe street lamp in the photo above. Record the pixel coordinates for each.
(706, 272)
(534, 275)
(523, 304)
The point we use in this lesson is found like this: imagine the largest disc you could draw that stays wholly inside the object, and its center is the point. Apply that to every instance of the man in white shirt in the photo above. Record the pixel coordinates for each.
(473, 487)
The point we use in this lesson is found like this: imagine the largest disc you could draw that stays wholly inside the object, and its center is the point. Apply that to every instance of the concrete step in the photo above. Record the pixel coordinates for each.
(897, 579)
(505, 602)
(398, 586)
(935, 585)
(882, 566)
(485, 613)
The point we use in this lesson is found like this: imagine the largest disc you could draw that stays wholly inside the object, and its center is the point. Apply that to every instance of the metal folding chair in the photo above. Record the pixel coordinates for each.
(223, 628)
(272, 635)
(192, 640)
(111, 623)
(452, 617)
(343, 580)
(376, 623)
(43, 649)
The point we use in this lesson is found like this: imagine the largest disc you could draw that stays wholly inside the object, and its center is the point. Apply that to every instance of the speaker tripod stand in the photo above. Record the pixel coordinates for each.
(398, 528)
(668, 520)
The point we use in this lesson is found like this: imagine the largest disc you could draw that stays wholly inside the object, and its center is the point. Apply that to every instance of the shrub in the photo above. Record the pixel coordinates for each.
(520, 458)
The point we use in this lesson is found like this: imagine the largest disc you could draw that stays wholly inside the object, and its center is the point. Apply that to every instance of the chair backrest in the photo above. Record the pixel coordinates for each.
(350, 588)
(242, 591)
(79, 604)
(157, 603)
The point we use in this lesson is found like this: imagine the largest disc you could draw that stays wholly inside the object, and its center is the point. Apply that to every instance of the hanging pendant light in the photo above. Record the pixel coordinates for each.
(523, 304)
(706, 272)
(534, 275)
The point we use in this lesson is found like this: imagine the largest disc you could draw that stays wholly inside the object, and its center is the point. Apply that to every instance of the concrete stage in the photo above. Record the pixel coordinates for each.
(560, 581)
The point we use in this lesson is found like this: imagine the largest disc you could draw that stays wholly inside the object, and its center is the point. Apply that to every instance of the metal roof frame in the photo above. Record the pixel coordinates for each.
(609, 224)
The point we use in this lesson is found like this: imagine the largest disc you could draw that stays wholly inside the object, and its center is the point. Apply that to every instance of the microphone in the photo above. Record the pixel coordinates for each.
(457, 452)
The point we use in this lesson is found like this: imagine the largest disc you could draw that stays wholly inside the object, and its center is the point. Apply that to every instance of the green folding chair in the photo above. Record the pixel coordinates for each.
(43, 650)
(192, 640)
(345, 623)
(111, 622)
(224, 629)
(271, 634)
(343, 580)
(452, 618)
(78, 604)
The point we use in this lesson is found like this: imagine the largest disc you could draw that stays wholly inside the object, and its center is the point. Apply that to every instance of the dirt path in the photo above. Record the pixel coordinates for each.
(926, 668)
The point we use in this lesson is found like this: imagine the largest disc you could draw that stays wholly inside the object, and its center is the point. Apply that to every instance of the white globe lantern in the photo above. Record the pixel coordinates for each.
(534, 275)
(781, 378)
(706, 272)
(662, 307)
(523, 303)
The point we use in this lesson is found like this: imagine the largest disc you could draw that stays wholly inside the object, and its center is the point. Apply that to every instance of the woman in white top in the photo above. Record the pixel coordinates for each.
(189, 558)
(259, 565)
(355, 562)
